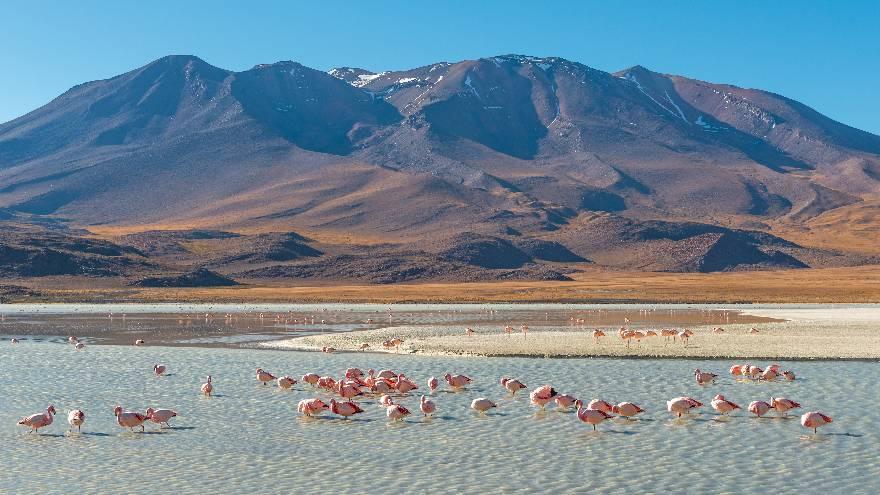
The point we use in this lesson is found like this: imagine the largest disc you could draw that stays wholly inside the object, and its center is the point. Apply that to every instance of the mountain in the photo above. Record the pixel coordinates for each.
(493, 159)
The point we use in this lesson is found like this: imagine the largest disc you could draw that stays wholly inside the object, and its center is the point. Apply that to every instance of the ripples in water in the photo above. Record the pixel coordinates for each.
(248, 438)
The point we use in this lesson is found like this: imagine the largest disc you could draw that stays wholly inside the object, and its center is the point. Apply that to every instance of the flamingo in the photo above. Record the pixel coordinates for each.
(129, 419)
(815, 419)
(512, 385)
(285, 382)
(468, 331)
(79, 346)
(159, 369)
(160, 416)
(482, 405)
(396, 412)
(789, 375)
(783, 405)
(386, 374)
(433, 383)
(704, 377)
(682, 405)
(769, 374)
(311, 379)
(208, 387)
(736, 370)
(264, 376)
(590, 416)
(344, 409)
(600, 405)
(76, 418)
(427, 406)
(347, 391)
(564, 401)
(759, 408)
(311, 407)
(542, 395)
(405, 385)
(72, 340)
(457, 381)
(722, 405)
(386, 400)
(363, 346)
(40, 420)
(627, 409)
(597, 334)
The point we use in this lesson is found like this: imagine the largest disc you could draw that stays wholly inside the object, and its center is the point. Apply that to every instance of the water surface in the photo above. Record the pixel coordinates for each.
(249, 439)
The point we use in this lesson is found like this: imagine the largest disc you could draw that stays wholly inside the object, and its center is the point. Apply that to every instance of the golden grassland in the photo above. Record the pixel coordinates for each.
(828, 285)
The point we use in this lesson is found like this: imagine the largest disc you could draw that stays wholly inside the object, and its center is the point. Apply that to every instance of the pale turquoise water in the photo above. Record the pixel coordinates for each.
(249, 439)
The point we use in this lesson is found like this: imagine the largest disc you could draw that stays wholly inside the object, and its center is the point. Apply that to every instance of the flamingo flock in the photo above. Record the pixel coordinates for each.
(387, 384)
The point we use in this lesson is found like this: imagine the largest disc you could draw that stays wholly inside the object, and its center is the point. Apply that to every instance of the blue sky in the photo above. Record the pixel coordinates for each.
(825, 54)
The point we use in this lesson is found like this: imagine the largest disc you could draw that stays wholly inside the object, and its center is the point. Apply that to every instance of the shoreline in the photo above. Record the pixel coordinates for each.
(822, 336)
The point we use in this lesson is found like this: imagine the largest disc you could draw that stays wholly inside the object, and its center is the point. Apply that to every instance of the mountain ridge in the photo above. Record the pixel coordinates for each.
(509, 147)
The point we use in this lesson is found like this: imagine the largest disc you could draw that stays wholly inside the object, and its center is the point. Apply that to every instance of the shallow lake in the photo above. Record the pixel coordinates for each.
(249, 438)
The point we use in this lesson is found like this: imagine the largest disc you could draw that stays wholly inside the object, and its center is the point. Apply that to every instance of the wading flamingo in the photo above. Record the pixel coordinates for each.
(40, 420)
(482, 405)
(590, 416)
(208, 387)
(160, 416)
(627, 409)
(512, 385)
(427, 406)
(129, 419)
(814, 419)
(722, 405)
(542, 395)
(76, 418)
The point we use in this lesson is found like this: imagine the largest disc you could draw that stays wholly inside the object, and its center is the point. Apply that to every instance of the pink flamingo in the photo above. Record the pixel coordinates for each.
(427, 406)
(597, 334)
(783, 405)
(815, 419)
(759, 408)
(347, 391)
(627, 409)
(457, 381)
(736, 370)
(405, 385)
(542, 395)
(433, 383)
(208, 387)
(590, 416)
(311, 379)
(387, 374)
(285, 382)
(482, 405)
(512, 385)
(396, 412)
(129, 419)
(159, 369)
(722, 405)
(789, 375)
(344, 409)
(386, 401)
(160, 416)
(311, 407)
(600, 405)
(682, 405)
(769, 374)
(76, 418)
(41, 420)
(264, 376)
(564, 401)
(327, 383)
